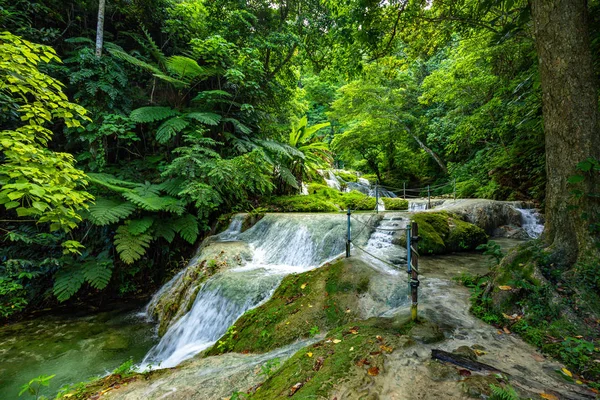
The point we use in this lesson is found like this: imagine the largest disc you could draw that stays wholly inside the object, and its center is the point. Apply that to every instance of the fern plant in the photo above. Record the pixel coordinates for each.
(503, 393)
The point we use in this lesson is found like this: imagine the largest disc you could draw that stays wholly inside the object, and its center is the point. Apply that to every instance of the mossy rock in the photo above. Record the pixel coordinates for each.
(347, 176)
(309, 203)
(426, 332)
(352, 355)
(395, 204)
(441, 232)
(316, 300)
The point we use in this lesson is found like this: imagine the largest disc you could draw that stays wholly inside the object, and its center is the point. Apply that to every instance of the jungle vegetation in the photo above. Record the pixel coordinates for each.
(128, 127)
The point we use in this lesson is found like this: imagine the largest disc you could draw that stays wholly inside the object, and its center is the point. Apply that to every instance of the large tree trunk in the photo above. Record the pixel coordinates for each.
(100, 28)
(570, 111)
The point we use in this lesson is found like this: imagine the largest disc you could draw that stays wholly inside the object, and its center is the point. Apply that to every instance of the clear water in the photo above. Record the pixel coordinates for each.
(73, 348)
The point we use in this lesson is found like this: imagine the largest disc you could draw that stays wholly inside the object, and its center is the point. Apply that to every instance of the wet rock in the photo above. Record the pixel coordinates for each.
(486, 214)
(478, 347)
(467, 352)
(439, 372)
(427, 332)
(477, 386)
(511, 232)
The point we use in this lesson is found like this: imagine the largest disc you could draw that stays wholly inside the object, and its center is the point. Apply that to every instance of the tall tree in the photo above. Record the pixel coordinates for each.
(100, 28)
(570, 109)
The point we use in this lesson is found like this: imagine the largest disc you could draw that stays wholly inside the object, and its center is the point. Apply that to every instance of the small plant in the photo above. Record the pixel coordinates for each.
(125, 368)
(227, 344)
(35, 386)
(503, 393)
(493, 250)
(313, 331)
(238, 396)
(269, 368)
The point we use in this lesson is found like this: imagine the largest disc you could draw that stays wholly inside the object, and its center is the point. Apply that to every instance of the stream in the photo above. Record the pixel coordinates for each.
(278, 245)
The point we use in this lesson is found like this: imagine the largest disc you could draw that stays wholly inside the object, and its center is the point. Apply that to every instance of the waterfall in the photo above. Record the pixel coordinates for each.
(381, 242)
(531, 222)
(280, 245)
(417, 205)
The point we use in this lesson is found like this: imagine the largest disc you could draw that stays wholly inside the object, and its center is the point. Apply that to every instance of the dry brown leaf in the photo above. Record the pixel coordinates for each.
(464, 372)
(336, 341)
(378, 337)
(362, 362)
(295, 388)
(319, 363)
(505, 329)
(373, 371)
(509, 317)
(386, 348)
(353, 331)
(504, 287)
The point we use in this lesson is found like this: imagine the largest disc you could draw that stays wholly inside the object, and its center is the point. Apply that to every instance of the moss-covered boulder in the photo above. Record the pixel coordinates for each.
(303, 305)
(395, 204)
(442, 232)
(347, 176)
(321, 198)
(309, 203)
(352, 355)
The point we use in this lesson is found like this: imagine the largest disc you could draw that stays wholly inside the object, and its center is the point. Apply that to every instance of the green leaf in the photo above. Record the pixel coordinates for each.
(67, 282)
(575, 179)
(151, 114)
(187, 227)
(170, 128)
(206, 118)
(139, 226)
(109, 211)
(131, 247)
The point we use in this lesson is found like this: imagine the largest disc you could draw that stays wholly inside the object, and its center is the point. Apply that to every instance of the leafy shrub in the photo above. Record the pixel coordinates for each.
(301, 204)
(347, 176)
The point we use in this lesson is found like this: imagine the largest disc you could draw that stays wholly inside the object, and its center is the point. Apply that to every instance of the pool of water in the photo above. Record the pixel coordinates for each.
(73, 348)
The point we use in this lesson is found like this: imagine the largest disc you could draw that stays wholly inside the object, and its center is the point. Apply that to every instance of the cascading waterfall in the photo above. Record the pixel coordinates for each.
(280, 244)
(381, 241)
(531, 222)
(417, 205)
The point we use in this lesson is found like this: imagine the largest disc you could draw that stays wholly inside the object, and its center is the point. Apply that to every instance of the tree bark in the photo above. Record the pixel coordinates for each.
(100, 28)
(570, 112)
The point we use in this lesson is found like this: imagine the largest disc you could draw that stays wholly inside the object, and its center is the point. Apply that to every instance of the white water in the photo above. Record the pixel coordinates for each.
(530, 222)
(281, 244)
(234, 229)
(381, 245)
(417, 205)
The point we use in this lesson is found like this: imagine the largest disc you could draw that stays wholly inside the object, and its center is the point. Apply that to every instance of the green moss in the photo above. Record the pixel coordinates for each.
(301, 204)
(395, 204)
(441, 232)
(353, 350)
(325, 298)
(322, 199)
(347, 176)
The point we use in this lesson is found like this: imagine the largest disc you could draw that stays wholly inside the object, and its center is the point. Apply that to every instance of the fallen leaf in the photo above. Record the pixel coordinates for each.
(295, 388)
(505, 329)
(353, 331)
(504, 287)
(362, 362)
(579, 336)
(464, 372)
(309, 354)
(538, 357)
(386, 348)
(318, 363)
(352, 348)
(310, 305)
(548, 396)
(480, 352)
(509, 317)
(375, 353)
(373, 371)
(347, 310)
(579, 382)
(303, 286)
(379, 338)
(567, 372)
(336, 341)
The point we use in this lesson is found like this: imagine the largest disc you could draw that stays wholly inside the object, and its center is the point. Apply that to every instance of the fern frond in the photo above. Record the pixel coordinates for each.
(139, 226)
(165, 228)
(98, 272)
(288, 177)
(205, 118)
(131, 247)
(67, 282)
(110, 182)
(122, 55)
(211, 94)
(503, 393)
(154, 49)
(239, 127)
(109, 211)
(187, 227)
(151, 114)
(172, 186)
(154, 203)
(178, 83)
(184, 67)
(170, 128)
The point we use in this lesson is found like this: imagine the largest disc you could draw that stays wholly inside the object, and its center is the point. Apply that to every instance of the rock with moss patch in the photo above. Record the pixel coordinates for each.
(441, 232)
(426, 332)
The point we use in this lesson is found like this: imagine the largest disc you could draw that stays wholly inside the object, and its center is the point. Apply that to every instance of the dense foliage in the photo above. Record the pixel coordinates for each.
(113, 167)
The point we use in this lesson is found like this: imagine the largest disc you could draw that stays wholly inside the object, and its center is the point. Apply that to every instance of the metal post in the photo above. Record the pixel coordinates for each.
(348, 238)
(408, 248)
(376, 199)
(454, 194)
(404, 190)
(414, 271)
(428, 198)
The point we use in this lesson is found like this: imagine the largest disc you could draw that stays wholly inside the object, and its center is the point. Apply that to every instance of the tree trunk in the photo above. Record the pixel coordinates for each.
(437, 159)
(100, 28)
(570, 111)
